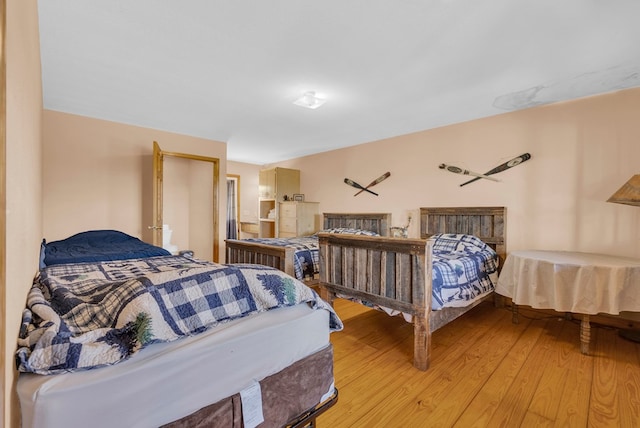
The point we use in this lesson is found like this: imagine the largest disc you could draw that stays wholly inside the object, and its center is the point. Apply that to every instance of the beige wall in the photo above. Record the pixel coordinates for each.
(582, 152)
(98, 174)
(23, 180)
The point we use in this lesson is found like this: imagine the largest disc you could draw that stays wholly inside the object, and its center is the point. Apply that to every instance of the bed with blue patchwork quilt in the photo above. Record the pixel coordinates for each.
(299, 257)
(431, 281)
(167, 339)
(87, 315)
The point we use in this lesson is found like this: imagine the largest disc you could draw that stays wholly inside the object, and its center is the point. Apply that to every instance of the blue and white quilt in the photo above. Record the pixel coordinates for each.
(86, 315)
(464, 268)
(306, 259)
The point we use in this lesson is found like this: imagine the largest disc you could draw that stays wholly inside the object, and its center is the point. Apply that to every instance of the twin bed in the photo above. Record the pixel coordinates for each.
(299, 257)
(137, 341)
(88, 364)
(396, 274)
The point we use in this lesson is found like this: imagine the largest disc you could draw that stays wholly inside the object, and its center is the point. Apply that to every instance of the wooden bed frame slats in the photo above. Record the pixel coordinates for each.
(487, 223)
(242, 251)
(389, 272)
(376, 222)
(384, 270)
(278, 257)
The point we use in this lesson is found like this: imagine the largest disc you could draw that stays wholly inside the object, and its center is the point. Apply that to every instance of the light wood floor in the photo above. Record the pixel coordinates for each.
(485, 372)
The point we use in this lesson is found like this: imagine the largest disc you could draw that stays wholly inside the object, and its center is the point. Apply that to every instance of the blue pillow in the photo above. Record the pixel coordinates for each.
(452, 242)
(350, 231)
(97, 246)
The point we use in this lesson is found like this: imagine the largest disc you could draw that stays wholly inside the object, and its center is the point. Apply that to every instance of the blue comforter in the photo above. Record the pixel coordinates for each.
(96, 246)
(86, 315)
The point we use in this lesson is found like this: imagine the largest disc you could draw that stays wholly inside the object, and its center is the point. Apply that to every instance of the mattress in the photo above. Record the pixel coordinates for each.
(167, 381)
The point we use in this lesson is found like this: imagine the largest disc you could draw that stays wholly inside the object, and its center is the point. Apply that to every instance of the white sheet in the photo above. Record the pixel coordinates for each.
(575, 282)
(167, 381)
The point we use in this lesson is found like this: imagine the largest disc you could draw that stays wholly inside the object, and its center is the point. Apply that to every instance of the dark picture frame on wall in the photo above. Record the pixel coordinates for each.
(298, 197)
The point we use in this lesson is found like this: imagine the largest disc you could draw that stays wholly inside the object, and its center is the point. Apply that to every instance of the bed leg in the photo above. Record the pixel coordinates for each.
(514, 313)
(326, 295)
(421, 343)
(585, 334)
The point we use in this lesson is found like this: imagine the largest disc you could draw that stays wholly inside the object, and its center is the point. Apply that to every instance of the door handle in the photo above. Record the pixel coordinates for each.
(154, 227)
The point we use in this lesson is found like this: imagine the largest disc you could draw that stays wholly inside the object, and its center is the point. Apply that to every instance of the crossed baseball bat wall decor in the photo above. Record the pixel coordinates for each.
(366, 189)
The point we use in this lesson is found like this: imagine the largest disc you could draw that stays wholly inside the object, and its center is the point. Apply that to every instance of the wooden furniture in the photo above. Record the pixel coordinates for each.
(242, 251)
(298, 219)
(274, 184)
(573, 282)
(249, 228)
(395, 273)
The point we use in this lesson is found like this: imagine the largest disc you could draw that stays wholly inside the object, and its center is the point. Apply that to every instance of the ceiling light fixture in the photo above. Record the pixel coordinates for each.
(309, 100)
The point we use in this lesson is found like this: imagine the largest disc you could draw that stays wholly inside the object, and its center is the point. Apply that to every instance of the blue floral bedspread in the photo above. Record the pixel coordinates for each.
(86, 315)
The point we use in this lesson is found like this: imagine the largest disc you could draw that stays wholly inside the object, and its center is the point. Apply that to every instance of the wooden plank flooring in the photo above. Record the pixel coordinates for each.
(485, 372)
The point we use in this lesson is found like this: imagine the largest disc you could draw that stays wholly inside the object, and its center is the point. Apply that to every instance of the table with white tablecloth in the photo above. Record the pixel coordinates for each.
(567, 281)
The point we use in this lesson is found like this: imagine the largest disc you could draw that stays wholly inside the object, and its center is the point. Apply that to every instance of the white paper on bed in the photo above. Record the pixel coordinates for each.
(167, 381)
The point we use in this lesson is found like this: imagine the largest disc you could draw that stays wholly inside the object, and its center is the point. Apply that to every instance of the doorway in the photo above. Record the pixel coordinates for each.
(185, 189)
(233, 206)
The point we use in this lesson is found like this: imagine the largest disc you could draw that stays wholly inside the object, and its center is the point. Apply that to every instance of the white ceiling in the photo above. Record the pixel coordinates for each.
(230, 70)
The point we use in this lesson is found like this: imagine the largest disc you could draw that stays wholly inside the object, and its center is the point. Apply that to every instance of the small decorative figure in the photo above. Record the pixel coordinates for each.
(401, 232)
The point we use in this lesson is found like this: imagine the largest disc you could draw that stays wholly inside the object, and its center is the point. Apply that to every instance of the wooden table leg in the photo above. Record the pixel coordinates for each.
(514, 313)
(585, 334)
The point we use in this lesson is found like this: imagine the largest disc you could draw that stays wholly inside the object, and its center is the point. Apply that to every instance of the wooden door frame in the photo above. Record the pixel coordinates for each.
(3, 207)
(158, 158)
(236, 177)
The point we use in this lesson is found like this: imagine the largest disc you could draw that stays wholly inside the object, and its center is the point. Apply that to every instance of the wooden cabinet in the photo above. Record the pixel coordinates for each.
(298, 219)
(274, 184)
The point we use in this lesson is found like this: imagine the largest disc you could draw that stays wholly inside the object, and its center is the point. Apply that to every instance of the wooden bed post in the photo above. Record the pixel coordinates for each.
(325, 294)
(421, 325)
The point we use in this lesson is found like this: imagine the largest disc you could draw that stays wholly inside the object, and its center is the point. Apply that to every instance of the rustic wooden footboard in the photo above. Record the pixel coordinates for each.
(389, 272)
(281, 258)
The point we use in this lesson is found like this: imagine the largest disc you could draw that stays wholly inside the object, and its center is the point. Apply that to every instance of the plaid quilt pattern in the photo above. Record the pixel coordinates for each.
(464, 267)
(306, 262)
(81, 316)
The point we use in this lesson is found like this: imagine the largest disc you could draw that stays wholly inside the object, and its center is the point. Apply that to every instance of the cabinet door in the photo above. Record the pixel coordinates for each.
(267, 184)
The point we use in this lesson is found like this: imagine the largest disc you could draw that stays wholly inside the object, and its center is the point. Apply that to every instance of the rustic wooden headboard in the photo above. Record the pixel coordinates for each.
(487, 223)
(375, 222)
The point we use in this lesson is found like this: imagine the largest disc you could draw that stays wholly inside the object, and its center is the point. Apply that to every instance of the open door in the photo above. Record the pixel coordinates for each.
(185, 202)
(157, 195)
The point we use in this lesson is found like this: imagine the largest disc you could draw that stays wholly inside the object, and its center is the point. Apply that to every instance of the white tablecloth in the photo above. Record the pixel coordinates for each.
(575, 282)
